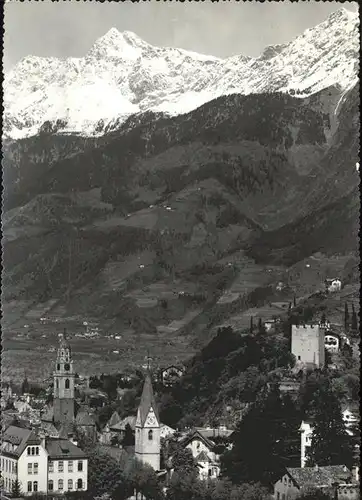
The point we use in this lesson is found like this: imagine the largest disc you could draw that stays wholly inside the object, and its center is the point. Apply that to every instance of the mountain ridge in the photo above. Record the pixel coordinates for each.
(123, 75)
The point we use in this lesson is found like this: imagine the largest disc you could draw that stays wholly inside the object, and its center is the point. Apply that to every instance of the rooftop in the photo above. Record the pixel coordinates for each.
(63, 449)
(319, 476)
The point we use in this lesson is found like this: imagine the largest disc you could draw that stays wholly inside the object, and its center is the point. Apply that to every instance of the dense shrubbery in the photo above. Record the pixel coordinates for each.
(230, 366)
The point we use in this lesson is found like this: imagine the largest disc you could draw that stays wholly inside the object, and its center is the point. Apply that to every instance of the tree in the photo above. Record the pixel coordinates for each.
(251, 324)
(183, 461)
(128, 439)
(16, 489)
(186, 487)
(25, 386)
(143, 479)
(354, 321)
(104, 474)
(346, 316)
(331, 444)
(257, 442)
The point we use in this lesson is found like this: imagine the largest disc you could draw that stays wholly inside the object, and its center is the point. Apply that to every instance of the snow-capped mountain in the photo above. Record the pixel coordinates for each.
(123, 75)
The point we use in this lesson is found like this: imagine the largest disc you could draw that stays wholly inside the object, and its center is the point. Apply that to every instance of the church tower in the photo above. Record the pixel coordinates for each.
(147, 439)
(63, 404)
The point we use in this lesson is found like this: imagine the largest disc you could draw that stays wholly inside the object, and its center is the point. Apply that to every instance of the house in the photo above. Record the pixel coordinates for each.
(289, 386)
(41, 464)
(166, 431)
(333, 284)
(202, 449)
(328, 478)
(351, 417)
(332, 342)
(306, 433)
(270, 324)
(308, 345)
(170, 375)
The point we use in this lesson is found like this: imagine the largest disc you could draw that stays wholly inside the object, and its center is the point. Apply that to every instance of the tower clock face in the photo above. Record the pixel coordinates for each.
(66, 367)
(151, 420)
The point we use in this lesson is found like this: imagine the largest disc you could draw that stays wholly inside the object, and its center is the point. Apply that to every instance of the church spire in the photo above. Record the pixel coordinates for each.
(147, 439)
(148, 401)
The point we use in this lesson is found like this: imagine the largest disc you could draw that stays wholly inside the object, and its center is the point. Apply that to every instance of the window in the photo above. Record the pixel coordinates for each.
(35, 486)
(58, 366)
(79, 484)
(299, 358)
(60, 466)
(67, 383)
(70, 484)
(28, 451)
(51, 467)
(30, 468)
(50, 485)
(60, 484)
(37, 450)
(80, 466)
(278, 495)
(29, 486)
(32, 450)
(35, 468)
(150, 435)
(70, 466)
(57, 383)
(209, 472)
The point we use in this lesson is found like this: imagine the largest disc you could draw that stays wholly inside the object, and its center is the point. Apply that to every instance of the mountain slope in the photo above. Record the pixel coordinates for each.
(123, 75)
(190, 191)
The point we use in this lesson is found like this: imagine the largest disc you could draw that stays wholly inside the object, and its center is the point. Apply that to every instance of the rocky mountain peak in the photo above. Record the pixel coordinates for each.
(122, 75)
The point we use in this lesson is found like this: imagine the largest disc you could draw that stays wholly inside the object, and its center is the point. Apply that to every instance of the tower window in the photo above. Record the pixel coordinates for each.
(58, 366)
(150, 435)
(57, 383)
(67, 383)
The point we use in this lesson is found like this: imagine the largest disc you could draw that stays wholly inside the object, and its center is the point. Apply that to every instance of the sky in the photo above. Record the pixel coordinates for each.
(70, 28)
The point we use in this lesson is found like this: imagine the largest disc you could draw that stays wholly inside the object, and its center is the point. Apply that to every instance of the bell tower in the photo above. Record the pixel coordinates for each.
(64, 376)
(147, 439)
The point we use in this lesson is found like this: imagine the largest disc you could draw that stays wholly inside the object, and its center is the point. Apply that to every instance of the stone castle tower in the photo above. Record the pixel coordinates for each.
(63, 404)
(308, 345)
(147, 439)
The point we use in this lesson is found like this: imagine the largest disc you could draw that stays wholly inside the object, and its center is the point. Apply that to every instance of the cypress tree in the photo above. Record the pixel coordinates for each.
(346, 316)
(331, 444)
(16, 489)
(354, 322)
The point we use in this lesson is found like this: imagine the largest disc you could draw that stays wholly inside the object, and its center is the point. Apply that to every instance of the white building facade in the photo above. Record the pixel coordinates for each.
(44, 465)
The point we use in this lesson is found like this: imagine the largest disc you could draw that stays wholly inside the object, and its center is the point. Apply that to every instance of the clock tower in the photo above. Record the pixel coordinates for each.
(63, 404)
(147, 439)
